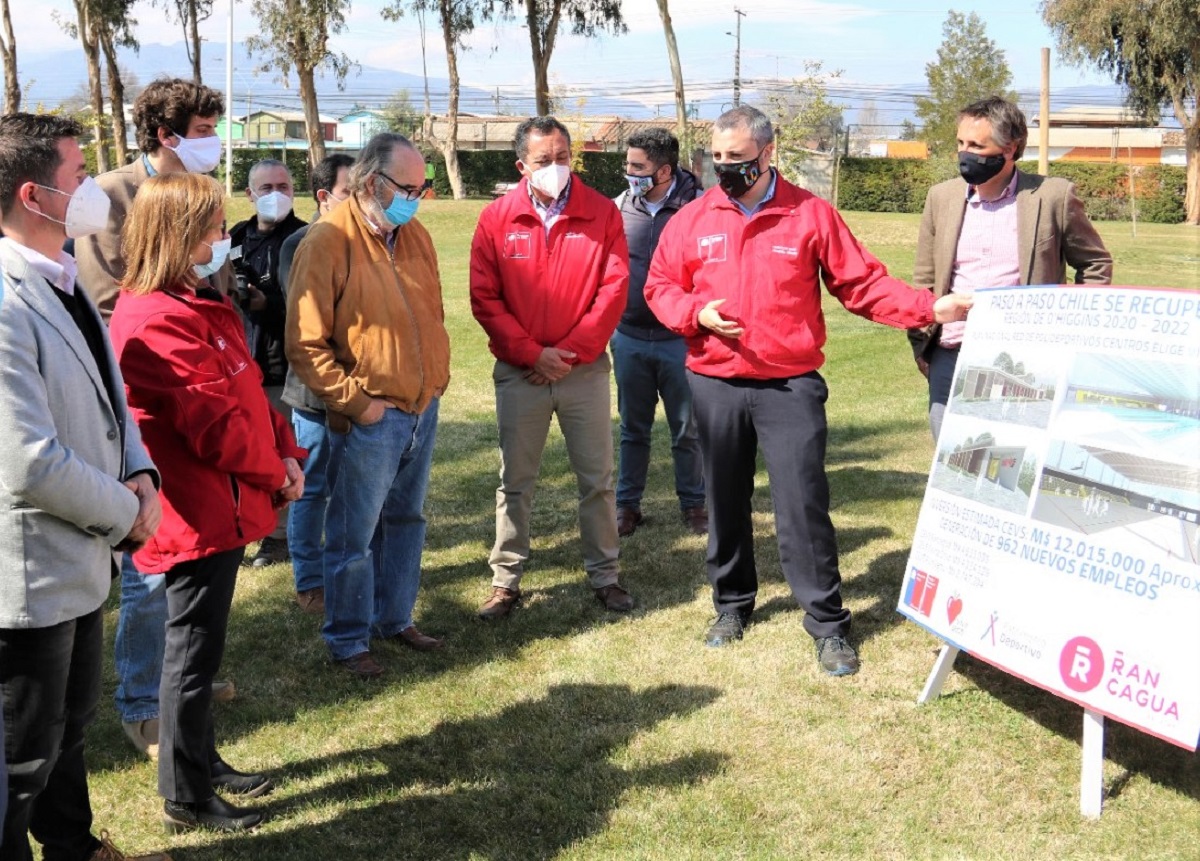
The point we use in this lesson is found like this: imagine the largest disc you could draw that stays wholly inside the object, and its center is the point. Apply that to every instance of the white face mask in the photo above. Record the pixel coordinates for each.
(273, 207)
(551, 179)
(220, 251)
(198, 155)
(87, 213)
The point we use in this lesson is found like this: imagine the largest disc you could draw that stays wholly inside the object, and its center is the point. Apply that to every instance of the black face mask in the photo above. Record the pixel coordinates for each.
(978, 169)
(737, 178)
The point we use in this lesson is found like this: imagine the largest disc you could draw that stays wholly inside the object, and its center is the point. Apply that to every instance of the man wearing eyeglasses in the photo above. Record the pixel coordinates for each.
(365, 333)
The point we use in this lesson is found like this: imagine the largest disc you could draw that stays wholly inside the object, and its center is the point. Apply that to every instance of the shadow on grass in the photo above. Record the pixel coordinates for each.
(1134, 751)
(524, 783)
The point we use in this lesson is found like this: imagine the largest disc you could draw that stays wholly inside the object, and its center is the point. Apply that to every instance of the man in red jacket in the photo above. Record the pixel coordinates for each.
(549, 274)
(736, 273)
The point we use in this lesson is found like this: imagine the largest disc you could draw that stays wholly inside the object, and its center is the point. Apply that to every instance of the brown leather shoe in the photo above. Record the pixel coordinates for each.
(500, 603)
(312, 601)
(614, 598)
(223, 691)
(362, 665)
(628, 520)
(414, 639)
(696, 519)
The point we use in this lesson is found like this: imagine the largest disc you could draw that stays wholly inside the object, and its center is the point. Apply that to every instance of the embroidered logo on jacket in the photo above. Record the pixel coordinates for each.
(712, 248)
(516, 245)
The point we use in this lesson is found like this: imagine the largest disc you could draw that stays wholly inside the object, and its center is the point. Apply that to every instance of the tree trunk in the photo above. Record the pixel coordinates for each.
(312, 119)
(449, 146)
(542, 44)
(116, 96)
(193, 35)
(681, 129)
(8, 52)
(91, 53)
(1191, 138)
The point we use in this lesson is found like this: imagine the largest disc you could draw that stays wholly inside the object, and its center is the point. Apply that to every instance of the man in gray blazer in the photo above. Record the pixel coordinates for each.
(76, 485)
(995, 227)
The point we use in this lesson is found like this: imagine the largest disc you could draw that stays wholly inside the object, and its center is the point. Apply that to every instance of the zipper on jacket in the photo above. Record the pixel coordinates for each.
(412, 319)
(236, 492)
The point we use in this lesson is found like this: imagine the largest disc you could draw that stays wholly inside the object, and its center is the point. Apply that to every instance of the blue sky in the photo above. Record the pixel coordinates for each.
(881, 47)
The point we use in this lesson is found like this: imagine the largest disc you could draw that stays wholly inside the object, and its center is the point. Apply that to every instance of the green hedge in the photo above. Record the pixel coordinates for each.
(482, 169)
(899, 185)
(243, 160)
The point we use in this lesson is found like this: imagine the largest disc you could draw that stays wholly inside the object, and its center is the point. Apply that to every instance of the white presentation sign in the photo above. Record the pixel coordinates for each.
(1059, 538)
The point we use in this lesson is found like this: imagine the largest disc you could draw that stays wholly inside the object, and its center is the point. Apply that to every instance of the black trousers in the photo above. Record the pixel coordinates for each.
(199, 595)
(50, 684)
(942, 362)
(786, 418)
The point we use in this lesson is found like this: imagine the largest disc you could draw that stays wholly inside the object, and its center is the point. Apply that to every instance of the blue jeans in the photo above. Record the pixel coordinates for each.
(375, 529)
(644, 370)
(306, 516)
(138, 651)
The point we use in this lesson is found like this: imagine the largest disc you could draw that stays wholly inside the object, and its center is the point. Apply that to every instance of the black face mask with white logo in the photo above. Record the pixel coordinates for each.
(738, 177)
(978, 169)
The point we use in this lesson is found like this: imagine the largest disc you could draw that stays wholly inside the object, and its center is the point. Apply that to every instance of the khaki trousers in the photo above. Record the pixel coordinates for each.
(582, 402)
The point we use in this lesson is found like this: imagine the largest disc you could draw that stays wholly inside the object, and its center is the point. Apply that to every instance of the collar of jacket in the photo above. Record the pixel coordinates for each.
(787, 198)
(578, 205)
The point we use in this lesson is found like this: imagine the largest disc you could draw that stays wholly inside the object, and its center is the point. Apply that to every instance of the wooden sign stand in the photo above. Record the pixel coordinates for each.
(1091, 778)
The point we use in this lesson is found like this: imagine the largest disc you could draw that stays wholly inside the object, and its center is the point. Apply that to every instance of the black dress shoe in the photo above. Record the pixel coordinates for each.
(226, 778)
(215, 814)
(726, 629)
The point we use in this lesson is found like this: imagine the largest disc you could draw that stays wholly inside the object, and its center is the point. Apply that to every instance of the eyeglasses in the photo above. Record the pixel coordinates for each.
(410, 192)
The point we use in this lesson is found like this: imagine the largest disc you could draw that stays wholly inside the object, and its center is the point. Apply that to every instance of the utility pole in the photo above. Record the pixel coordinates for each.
(1044, 117)
(737, 57)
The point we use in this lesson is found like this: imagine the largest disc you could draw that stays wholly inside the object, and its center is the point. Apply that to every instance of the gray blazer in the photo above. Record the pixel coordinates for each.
(67, 449)
(1052, 231)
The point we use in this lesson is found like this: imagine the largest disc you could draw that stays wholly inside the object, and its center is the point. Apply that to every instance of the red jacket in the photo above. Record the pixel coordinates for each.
(197, 396)
(766, 268)
(567, 291)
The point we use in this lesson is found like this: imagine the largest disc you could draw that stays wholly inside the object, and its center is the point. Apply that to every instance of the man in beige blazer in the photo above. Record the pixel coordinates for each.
(995, 227)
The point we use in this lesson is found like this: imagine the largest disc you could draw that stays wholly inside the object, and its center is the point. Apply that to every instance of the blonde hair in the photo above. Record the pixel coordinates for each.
(169, 218)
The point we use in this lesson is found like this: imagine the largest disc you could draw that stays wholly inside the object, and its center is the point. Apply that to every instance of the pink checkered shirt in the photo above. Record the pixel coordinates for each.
(987, 250)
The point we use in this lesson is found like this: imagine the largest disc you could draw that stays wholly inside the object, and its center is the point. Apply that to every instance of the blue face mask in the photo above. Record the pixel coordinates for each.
(401, 211)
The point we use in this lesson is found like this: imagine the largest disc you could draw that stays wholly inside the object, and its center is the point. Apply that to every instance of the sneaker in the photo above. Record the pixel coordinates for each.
(106, 851)
(143, 734)
(628, 520)
(614, 598)
(223, 691)
(362, 665)
(696, 519)
(271, 551)
(836, 656)
(312, 601)
(727, 628)
(500, 603)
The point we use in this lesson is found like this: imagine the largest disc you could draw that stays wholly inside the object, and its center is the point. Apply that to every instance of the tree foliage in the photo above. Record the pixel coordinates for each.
(544, 18)
(294, 36)
(969, 67)
(401, 115)
(806, 120)
(1151, 48)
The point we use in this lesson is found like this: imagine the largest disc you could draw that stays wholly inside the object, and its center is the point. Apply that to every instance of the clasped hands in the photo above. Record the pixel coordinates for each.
(551, 366)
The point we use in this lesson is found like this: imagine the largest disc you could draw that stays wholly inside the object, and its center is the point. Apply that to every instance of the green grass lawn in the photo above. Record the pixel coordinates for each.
(567, 732)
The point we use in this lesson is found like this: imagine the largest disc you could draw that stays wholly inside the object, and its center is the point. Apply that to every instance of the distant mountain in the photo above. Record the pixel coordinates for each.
(54, 77)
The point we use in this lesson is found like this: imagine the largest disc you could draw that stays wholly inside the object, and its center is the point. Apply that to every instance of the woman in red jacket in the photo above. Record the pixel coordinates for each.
(227, 461)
